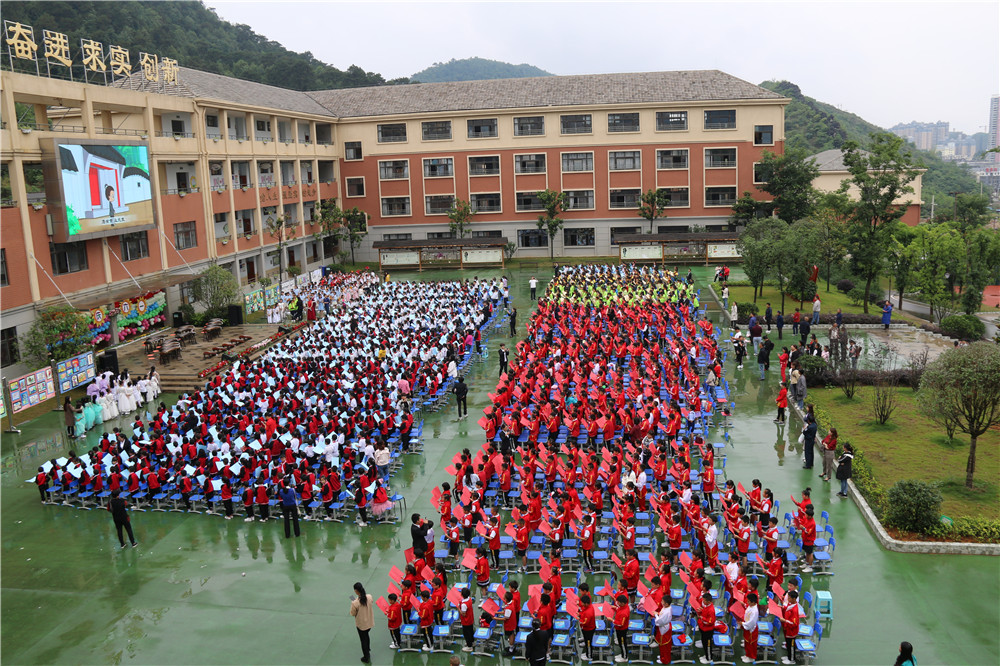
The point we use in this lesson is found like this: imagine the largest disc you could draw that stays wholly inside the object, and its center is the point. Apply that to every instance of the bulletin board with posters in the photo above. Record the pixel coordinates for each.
(272, 295)
(254, 301)
(75, 371)
(31, 389)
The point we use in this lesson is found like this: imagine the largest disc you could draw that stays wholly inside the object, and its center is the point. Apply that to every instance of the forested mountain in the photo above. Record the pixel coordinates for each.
(816, 127)
(475, 69)
(192, 34)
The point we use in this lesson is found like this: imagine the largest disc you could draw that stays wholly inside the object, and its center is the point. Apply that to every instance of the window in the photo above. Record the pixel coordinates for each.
(529, 163)
(439, 167)
(529, 126)
(355, 187)
(211, 121)
(672, 159)
(757, 175)
(720, 158)
(134, 246)
(720, 119)
(488, 165)
(625, 198)
(576, 124)
(624, 160)
(579, 199)
(9, 353)
(438, 204)
(386, 237)
(671, 121)
(352, 150)
(492, 233)
(483, 128)
(263, 125)
(435, 131)
(578, 237)
(185, 235)
(440, 235)
(244, 221)
(393, 169)
(675, 196)
(527, 201)
(578, 161)
(532, 238)
(623, 122)
(4, 281)
(720, 196)
(395, 206)
(486, 203)
(763, 135)
(622, 231)
(393, 133)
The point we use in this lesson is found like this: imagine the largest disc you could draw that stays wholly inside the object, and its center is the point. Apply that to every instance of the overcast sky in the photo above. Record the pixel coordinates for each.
(888, 62)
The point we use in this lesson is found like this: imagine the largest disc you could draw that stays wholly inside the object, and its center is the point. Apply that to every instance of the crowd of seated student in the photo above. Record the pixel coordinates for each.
(599, 414)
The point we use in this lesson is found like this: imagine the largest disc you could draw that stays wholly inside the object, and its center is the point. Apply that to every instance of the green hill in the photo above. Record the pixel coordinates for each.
(190, 33)
(816, 126)
(475, 69)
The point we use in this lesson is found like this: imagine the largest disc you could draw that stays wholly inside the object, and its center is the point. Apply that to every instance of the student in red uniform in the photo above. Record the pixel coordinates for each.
(438, 595)
(628, 535)
(263, 501)
(790, 624)
(248, 498)
(394, 619)
(426, 612)
(454, 537)
(808, 527)
(493, 538)
(482, 571)
(664, 633)
(706, 625)
(546, 614)
(521, 540)
(622, 613)
(587, 542)
(226, 494)
(630, 573)
(466, 615)
(750, 630)
(42, 481)
(588, 624)
(509, 616)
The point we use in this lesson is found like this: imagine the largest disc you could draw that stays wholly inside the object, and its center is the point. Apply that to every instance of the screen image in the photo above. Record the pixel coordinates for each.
(106, 188)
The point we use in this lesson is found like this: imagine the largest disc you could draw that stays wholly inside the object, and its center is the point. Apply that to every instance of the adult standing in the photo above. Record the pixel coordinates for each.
(779, 322)
(768, 316)
(513, 321)
(905, 657)
(364, 619)
(816, 308)
(536, 646)
(417, 533)
(886, 314)
(725, 297)
(289, 508)
(533, 284)
(845, 468)
(800, 388)
(829, 452)
(461, 391)
(809, 441)
(804, 329)
(504, 355)
(69, 418)
(756, 333)
(734, 315)
(119, 513)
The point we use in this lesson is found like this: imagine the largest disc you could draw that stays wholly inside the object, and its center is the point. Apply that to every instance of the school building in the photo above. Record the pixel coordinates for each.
(227, 156)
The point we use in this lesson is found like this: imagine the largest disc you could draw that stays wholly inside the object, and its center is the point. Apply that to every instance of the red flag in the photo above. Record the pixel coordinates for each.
(483, 422)
(427, 574)
(650, 574)
(469, 558)
(450, 469)
(408, 554)
(383, 605)
(491, 607)
(392, 589)
(617, 560)
(649, 605)
(481, 528)
(738, 610)
(455, 596)
(534, 602)
(395, 574)
(511, 530)
(774, 609)
(436, 495)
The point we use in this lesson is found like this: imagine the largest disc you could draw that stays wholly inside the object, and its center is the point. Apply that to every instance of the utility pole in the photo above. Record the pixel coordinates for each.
(954, 215)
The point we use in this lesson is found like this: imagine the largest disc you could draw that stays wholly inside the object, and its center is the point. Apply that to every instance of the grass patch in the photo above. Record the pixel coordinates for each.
(911, 446)
(830, 301)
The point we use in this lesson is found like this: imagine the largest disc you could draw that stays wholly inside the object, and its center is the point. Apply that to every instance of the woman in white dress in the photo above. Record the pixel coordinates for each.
(122, 394)
(110, 404)
(139, 391)
(154, 382)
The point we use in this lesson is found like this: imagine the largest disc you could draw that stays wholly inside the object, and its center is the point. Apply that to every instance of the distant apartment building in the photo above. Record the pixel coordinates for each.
(925, 136)
(994, 127)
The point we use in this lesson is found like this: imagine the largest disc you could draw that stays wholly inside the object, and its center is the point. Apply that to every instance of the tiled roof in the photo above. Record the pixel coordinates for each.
(577, 90)
(830, 160)
(587, 89)
(207, 86)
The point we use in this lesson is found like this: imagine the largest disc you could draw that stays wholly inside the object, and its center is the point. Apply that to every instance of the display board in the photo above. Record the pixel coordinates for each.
(288, 285)
(31, 389)
(75, 371)
(316, 274)
(271, 296)
(641, 252)
(254, 301)
(723, 251)
(485, 256)
(396, 258)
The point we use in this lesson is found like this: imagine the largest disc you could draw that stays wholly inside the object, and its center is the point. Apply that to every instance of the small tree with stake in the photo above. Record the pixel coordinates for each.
(460, 217)
(961, 390)
(554, 203)
(279, 228)
(653, 205)
(353, 228)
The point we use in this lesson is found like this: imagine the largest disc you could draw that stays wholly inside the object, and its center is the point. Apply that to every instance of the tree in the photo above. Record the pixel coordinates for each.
(58, 333)
(554, 203)
(460, 217)
(971, 210)
(794, 249)
(280, 228)
(215, 288)
(653, 205)
(788, 178)
(882, 173)
(747, 209)
(963, 384)
(982, 266)
(353, 228)
(937, 254)
(756, 246)
(901, 260)
(828, 237)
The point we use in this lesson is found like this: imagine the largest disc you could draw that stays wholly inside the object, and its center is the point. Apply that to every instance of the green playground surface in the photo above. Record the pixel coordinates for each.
(69, 596)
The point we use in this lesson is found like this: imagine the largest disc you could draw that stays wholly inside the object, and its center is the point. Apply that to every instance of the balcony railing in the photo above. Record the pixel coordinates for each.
(288, 183)
(529, 131)
(180, 190)
(529, 169)
(176, 135)
(720, 163)
(121, 132)
(233, 136)
(28, 127)
(623, 128)
(482, 134)
(487, 208)
(720, 202)
(720, 125)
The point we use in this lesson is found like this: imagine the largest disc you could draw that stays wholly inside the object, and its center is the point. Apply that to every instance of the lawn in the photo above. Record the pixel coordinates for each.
(830, 302)
(911, 446)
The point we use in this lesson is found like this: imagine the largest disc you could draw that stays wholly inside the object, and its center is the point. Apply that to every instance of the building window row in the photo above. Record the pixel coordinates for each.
(577, 123)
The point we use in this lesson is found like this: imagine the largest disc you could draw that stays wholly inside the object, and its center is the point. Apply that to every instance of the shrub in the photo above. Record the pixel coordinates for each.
(816, 369)
(914, 506)
(744, 311)
(187, 310)
(982, 529)
(964, 327)
(845, 286)
(857, 296)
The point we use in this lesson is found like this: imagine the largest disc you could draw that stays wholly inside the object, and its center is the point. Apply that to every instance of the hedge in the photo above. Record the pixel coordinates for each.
(973, 528)
(964, 327)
